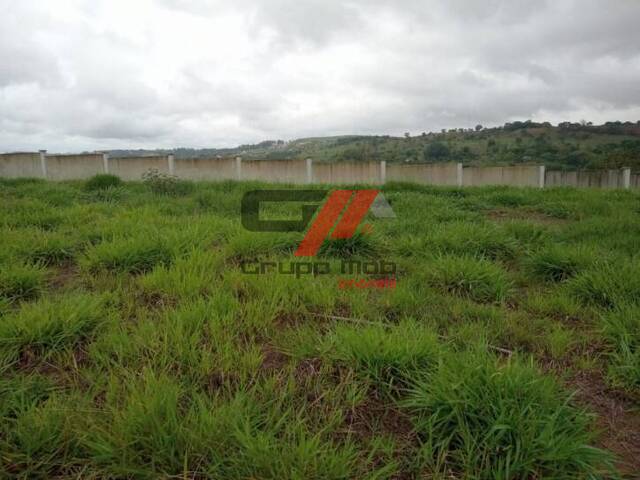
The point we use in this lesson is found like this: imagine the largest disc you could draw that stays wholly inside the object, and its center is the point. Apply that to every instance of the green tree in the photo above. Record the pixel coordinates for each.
(436, 151)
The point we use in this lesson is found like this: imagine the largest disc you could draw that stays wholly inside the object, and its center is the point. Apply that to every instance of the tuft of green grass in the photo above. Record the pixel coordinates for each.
(153, 427)
(479, 419)
(558, 263)
(48, 249)
(560, 340)
(621, 328)
(510, 198)
(482, 240)
(102, 182)
(387, 355)
(477, 279)
(557, 210)
(189, 277)
(360, 244)
(47, 326)
(607, 285)
(40, 440)
(527, 234)
(21, 282)
(130, 255)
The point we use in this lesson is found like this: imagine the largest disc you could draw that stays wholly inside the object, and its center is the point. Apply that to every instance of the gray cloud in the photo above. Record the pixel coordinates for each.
(112, 74)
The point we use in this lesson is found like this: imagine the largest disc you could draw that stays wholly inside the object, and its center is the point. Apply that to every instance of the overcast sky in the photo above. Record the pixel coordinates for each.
(92, 74)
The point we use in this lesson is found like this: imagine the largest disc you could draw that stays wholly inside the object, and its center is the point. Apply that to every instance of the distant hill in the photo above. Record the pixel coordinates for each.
(567, 146)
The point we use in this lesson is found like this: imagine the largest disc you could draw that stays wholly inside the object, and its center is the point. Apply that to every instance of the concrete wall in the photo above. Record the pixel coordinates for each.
(74, 167)
(586, 178)
(289, 171)
(16, 165)
(365, 172)
(132, 168)
(206, 168)
(68, 167)
(521, 176)
(430, 174)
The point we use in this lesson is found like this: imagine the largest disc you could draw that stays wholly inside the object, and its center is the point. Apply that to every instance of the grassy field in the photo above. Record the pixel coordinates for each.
(132, 345)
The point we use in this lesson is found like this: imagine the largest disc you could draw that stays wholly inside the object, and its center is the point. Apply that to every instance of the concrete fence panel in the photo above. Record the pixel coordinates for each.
(206, 168)
(478, 176)
(635, 180)
(522, 176)
(132, 168)
(586, 178)
(366, 172)
(287, 171)
(429, 174)
(16, 165)
(74, 167)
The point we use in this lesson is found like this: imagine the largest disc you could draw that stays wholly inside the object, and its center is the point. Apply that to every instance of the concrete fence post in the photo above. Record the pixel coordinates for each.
(626, 178)
(238, 168)
(43, 162)
(105, 162)
(172, 164)
(541, 175)
(309, 170)
(459, 174)
(383, 171)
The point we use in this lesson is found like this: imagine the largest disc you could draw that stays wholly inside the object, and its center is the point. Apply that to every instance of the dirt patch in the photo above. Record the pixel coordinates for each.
(157, 301)
(218, 380)
(64, 276)
(373, 417)
(618, 419)
(505, 215)
(272, 359)
(284, 319)
(308, 368)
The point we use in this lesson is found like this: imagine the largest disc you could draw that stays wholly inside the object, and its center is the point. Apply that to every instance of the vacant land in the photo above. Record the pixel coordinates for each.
(132, 345)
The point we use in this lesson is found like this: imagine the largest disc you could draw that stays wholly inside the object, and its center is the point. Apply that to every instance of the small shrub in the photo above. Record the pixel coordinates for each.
(165, 184)
(477, 279)
(482, 420)
(102, 182)
(21, 282)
